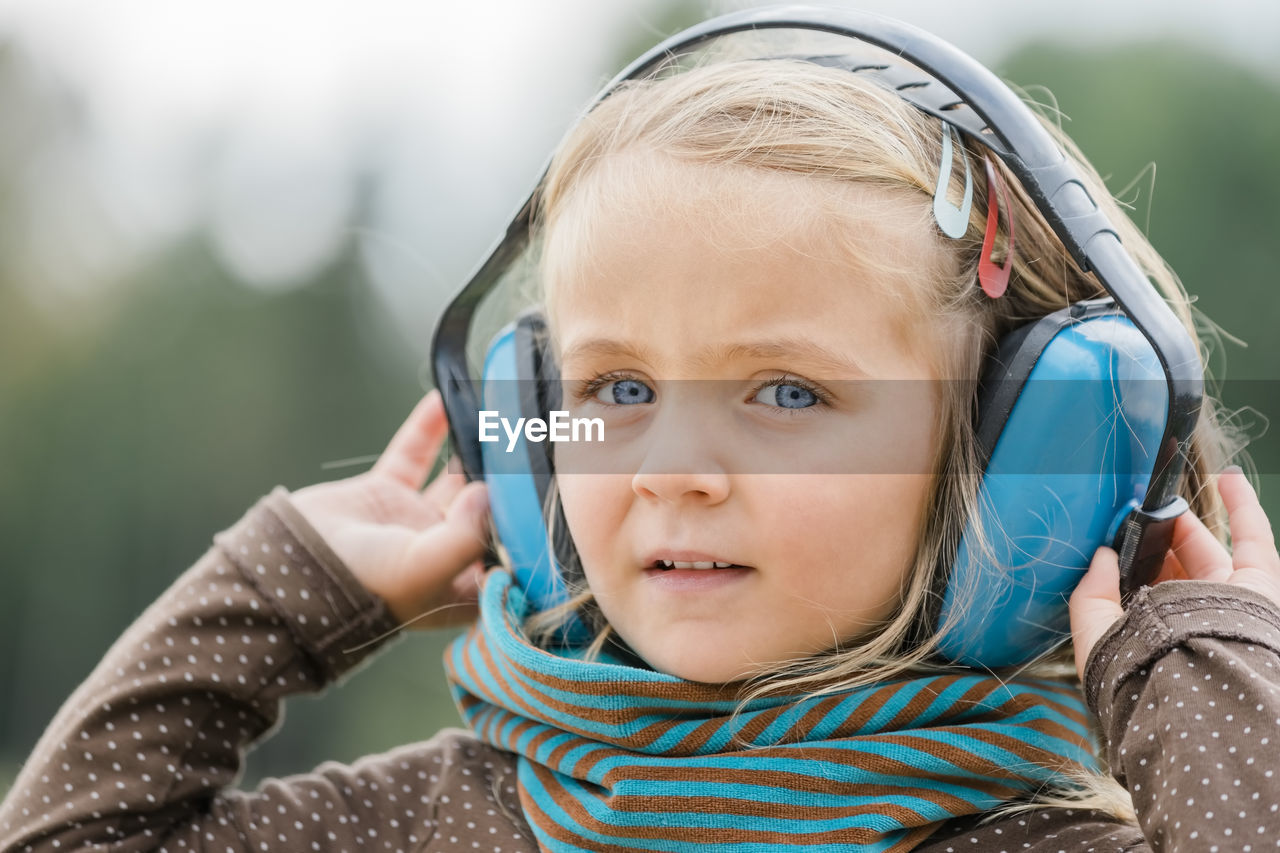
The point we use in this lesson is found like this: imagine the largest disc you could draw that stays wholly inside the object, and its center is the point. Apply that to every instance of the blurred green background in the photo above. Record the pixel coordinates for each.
(199, 303)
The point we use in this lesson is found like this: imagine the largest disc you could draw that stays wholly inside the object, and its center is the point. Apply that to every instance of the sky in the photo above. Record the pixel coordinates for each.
(247, 115)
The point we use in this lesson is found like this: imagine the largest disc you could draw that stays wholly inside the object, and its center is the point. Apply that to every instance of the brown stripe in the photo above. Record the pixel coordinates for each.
(529, 712)
(540, 819)
(637, 741)
(1060, 731)
(558, 752)
(468, 701)
(817, 713)
(778, 810)
(721, 835)
(869, 708)
(811, 784)
(959, 758)
(686, 691)
(1066, 709)
(1032, 755)
(859, 718)
(979, 697)
(926, 697)
(913, 838)
(645, 692)
(482, 648)
(696, 739)
(1067, 689)
(797, 732)
(523, 726)
(557, 755)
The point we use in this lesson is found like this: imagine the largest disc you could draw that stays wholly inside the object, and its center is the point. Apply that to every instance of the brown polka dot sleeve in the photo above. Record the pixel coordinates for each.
(143, 754)
(1187, 688)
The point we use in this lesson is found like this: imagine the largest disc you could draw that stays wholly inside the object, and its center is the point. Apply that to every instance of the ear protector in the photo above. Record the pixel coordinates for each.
(1084, 416)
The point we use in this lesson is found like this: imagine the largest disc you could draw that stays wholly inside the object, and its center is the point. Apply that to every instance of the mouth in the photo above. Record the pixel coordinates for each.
(695, 572)
(669, 565)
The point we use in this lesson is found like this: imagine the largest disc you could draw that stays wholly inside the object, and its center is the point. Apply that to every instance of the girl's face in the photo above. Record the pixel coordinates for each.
(768, 413)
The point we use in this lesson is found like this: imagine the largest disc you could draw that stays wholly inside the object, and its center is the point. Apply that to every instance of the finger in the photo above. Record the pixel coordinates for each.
(1252, 542)
(1171, 569)
(460, 604)
(444, 488)
(463, 537)
(466, 591)
(1095, 605)
(1200, 553)
(466, 586)
(412, 450)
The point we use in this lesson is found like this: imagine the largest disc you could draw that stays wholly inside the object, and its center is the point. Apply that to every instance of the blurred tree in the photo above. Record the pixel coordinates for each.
(1208, 203)
(124, 449)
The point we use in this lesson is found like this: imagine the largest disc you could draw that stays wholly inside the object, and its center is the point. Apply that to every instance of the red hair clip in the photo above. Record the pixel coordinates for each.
(994, 279)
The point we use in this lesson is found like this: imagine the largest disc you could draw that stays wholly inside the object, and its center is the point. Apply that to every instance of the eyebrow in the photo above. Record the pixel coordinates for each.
(807, 352)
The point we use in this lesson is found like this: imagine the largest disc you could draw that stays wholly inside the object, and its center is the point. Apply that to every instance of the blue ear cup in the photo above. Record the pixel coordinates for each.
(1072, 410)
(520, 380)
(519, 478)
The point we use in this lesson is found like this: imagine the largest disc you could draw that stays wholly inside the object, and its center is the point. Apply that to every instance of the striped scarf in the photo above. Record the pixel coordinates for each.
(617, 757)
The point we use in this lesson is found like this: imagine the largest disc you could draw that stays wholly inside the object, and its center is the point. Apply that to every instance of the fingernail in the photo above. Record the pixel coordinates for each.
(1233, 469)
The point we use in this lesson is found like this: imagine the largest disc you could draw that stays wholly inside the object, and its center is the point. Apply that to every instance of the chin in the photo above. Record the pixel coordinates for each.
(718, 671)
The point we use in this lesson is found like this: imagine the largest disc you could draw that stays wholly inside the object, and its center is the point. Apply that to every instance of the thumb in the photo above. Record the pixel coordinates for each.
(1095, 604)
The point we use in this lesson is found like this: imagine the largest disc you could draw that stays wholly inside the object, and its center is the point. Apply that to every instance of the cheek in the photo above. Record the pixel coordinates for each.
(594, 506)
(865, 523)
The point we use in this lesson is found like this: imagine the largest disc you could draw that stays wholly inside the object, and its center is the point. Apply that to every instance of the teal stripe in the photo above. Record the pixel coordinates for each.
(498, 583)
(806, 767)
(518, 693)
(783, 724)
(832, 770)
(904, 797)
(1049, 712)
(619, 839)
(995, 754)
(544, 751)
(703, 819)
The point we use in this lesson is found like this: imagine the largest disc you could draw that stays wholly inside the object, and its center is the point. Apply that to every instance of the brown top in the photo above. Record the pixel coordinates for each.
(143, 754)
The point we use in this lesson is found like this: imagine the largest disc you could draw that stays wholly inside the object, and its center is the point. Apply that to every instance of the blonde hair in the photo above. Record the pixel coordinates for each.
(830, 126)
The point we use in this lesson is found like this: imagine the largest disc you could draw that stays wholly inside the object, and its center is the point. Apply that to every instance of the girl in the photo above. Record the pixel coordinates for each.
(749, 279)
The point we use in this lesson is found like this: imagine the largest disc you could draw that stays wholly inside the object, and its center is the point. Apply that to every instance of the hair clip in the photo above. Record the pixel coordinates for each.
(954, 221)
(995, 279)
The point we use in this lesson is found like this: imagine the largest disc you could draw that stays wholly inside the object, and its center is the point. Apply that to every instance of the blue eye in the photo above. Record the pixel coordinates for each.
(786, 395)
(625, 392)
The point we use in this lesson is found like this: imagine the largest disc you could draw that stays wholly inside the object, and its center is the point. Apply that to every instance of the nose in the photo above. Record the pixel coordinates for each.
(702, 488)
(679, 468)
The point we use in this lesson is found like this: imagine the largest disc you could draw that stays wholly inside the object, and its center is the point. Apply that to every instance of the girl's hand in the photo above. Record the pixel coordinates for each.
(1196, 555)
(419, 549)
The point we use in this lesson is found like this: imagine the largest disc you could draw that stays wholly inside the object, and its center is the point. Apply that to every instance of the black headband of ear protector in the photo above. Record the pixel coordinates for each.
(944, 82)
